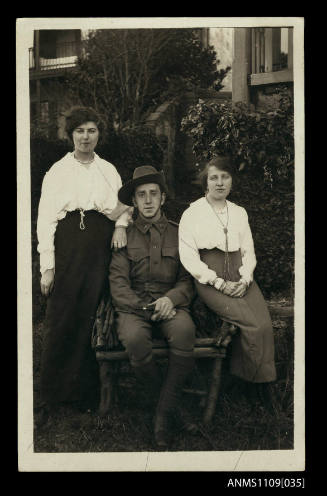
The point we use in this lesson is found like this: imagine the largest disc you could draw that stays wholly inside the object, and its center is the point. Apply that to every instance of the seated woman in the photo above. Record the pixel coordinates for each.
(216, 247)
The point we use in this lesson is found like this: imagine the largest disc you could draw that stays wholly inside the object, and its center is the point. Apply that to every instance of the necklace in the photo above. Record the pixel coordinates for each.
(85, 163)
(81, 210)
(217, 215)
(217, 212)
(221, 210)
(226, 274)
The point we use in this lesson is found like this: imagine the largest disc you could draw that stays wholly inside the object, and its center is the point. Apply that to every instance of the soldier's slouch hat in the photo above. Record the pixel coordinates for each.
(144, 174)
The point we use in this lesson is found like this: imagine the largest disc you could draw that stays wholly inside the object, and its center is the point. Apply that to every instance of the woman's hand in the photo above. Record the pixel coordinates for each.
(234, 289)
(47, 281)
(229, 288)
(240, 290)
(119, 238)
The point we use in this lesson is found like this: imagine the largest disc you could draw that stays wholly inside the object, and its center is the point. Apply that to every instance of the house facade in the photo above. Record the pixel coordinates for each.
(222, 41)
(262, 61)
(54, 52)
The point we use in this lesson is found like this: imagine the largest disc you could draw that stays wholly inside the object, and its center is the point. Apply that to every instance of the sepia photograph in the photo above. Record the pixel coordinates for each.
(160, 187)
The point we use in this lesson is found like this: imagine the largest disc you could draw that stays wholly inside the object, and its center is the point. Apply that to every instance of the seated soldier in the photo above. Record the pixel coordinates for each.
(151, 290)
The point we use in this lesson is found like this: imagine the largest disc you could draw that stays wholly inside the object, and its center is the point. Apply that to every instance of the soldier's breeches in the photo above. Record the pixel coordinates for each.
(135, 333)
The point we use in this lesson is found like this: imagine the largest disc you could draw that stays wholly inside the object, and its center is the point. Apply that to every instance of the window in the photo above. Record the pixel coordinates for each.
(271, 55)
(48, 44)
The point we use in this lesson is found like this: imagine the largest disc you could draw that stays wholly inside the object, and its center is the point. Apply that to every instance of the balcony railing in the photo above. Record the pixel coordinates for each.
(55, 56)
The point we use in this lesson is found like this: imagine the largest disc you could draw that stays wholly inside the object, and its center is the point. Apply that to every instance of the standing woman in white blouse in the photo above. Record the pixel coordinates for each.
(79, 220)
(216, 247)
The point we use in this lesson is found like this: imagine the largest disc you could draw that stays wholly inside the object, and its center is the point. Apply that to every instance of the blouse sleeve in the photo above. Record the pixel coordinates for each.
(190, 256)
(46, 224)
(249, 260)
(125, 218)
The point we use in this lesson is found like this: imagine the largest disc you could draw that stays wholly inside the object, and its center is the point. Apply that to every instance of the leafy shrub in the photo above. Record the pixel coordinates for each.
(261, 143)
(271, 217)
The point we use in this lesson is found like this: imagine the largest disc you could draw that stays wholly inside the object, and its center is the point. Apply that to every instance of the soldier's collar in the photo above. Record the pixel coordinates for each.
(144, 225)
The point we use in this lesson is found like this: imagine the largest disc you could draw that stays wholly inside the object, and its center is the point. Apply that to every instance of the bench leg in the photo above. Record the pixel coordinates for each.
(108, 377)
(213, 391)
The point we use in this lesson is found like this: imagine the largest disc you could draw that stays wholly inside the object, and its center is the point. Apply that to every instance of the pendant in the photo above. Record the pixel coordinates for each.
(225, 230)
(81, 224)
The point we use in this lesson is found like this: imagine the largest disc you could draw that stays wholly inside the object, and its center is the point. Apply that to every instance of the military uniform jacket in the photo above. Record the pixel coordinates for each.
(149, 267)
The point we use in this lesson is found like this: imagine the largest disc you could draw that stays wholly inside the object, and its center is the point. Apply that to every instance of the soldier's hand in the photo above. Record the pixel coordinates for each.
(171, 315)
(119, 238)
(162, 308)
(47, 281)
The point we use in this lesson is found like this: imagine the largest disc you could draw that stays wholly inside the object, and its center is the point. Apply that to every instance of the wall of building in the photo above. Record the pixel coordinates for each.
(54, 103)
(266, 96)
(222, 41)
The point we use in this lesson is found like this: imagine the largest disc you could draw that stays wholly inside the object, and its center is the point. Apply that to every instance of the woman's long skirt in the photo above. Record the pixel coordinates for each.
(252, 355)
(68, 366)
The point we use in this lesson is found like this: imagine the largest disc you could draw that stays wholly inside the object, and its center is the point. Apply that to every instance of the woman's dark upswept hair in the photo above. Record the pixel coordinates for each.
(221, 162)
(78, 116)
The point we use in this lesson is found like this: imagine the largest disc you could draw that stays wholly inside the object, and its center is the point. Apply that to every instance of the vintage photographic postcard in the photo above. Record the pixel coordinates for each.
(261, 54)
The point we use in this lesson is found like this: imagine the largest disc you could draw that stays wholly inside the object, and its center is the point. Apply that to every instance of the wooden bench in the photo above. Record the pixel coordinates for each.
(205, 347)
(213, 347)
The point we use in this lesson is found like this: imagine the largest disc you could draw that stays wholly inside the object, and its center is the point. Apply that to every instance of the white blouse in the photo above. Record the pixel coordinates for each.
(69, 185)
(200, 228)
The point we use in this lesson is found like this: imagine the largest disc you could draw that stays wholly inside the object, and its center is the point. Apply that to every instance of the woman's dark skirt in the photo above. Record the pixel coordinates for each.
(69, 370)
(252, 355)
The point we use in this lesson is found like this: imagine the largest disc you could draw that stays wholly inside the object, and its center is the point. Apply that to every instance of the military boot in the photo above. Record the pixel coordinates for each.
(148, 374)
(179, 369)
